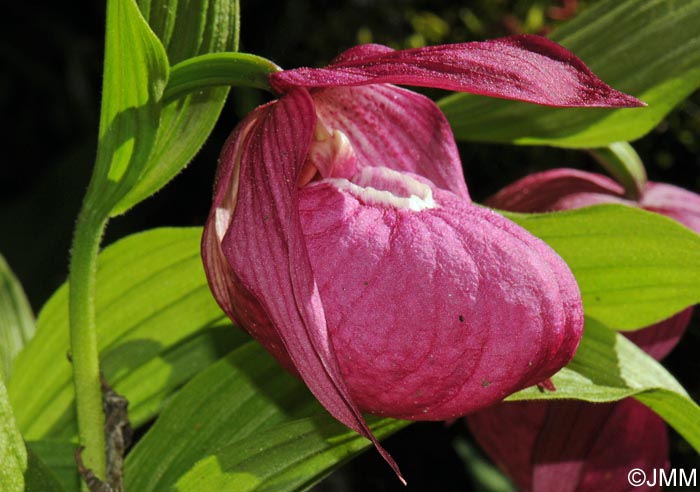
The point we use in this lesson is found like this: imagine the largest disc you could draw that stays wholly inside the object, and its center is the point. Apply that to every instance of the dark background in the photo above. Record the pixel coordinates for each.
(51, 59)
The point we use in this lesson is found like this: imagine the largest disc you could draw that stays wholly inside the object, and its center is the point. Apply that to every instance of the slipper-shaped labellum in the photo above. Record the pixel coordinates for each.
(343, 239)
(579, 446)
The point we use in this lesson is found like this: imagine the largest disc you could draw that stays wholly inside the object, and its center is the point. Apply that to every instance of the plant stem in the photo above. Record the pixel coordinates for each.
(83, 338)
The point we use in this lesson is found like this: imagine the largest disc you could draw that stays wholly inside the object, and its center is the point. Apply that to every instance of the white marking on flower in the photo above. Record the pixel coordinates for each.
(384, 186)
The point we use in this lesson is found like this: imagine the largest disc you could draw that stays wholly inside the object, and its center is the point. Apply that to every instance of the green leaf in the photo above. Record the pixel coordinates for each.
(483, 472)
(43, 475)
(16, 319)
(158, 325)
(135, 74)
(243, 424)
(624, 164)
(13, 454)
(58, 458)
(633, 267)
(186, 29)
(647, 48)
(289, 457)
(609, 367)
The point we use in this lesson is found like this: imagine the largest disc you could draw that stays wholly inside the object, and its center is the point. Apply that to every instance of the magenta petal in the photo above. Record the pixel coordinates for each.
(568, 446)
(395, 128)
(672, 201)
(447, 307)
(660, 338)
(526, 68)
(361, 53)
(233, 297)
(557, 189)
(644, 445)
(264, 246)
(567, 189)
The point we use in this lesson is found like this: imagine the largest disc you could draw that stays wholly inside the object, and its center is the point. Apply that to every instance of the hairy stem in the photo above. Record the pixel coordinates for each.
(83, 338)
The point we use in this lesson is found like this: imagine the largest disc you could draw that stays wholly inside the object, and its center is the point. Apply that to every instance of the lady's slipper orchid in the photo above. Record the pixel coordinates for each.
(579, 446)
(343, 239)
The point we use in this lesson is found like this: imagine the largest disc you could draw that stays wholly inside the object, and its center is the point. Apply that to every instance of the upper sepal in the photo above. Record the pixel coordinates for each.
(524, 67)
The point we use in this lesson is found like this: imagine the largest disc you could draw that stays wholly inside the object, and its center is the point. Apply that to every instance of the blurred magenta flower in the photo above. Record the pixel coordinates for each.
(572, 446)
(343, 239)
(565, 189)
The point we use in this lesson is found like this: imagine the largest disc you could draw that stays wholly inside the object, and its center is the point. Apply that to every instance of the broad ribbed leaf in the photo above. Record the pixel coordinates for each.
(608, 367)
(647, 48)
(16, 319)
(13, 454)
(634, 267)
(186, 29)
(246, 414)
(52, 464)
(135, 74)
(158, 325)
(289, 457)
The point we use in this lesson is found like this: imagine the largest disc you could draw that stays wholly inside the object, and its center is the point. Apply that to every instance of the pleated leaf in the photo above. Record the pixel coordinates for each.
(55, 463)
(13, 454)
(244, 424)
(135, 74)
(633, 267)
(16, 319)
(158, 325)
(186, 29)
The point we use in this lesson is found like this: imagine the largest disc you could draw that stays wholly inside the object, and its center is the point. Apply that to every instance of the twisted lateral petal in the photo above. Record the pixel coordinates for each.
(232, 295)
(264, 246)
(570, 446)
(526, 68)
(447, 307)
(395, 128)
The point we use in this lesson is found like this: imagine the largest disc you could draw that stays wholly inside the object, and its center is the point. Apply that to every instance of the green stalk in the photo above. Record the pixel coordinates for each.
(83, 338)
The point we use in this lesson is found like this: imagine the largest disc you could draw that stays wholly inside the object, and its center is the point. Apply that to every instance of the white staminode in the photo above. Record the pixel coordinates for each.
(384, 186)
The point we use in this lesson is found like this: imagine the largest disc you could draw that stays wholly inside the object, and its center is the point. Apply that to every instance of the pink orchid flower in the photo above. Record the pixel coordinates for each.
(343, 239)
(578, 446)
